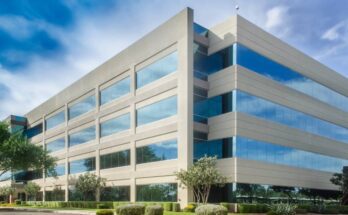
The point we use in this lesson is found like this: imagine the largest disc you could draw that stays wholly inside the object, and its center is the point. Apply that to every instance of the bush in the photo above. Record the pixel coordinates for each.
(103, 206)
(190, 208)
(116, 204)
(176, 207)
(343, 209)
(167, 206)
(252, 208)
(154, 210)
(282, 209)
(211, 210)
(301, 211)
(228, 206)
(18, 202)
(131, 209)
(105, 212)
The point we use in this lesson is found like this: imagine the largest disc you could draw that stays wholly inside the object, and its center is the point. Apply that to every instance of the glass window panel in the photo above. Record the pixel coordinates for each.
(115, 125)
(82, 107)
(221, 148)
(55, 120)
(156, 111)
(157, 192)
(60, 170)
(83, 165)
(82, 136)
(118, 193)
(268, 110)
(277, 72)
(165, 150)
(157, 70)
(115, 91)
(56, 145)
(116, 159)
(33, 131)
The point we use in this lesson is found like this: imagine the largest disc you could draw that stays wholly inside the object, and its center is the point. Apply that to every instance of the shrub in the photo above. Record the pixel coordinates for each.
(116, 204)
(176, 207)
(131, 209)
(301, 211)
(190, 208)
(343, 209)
(105, 212)
(252, 208)
(154, 210)
(211, 210)
(228, 206)
(167, 206)
(102, 206)
(18, 202)
(282, 209)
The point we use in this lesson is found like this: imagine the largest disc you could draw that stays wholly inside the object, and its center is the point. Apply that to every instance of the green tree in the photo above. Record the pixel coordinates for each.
(89, 184)
(17, 153)
(200, 177)
(31, 189)
(6, 191)
(341, 180)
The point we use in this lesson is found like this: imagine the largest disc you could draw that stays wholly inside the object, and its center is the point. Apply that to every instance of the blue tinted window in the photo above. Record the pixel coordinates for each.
(221, 148)
(165, 150)
(156, 111)
(6, 176)
(115, 125)
(267, 152)
(56, 145)
(82, 107)
(198, 29)
(83, 165)
(115, 91)
(157, 70)
(55, 120)
(288, 77)
(33, 131)
(60, 170)
(116, 159)
(117, 193)
(277, 113)
(157, 192)
(82, 136)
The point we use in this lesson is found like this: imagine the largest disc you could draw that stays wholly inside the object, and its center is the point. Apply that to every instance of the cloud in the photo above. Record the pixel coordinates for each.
(336, 32)
(276, 17)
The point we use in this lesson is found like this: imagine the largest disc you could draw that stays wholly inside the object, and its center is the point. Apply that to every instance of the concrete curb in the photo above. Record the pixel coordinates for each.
(77, 212)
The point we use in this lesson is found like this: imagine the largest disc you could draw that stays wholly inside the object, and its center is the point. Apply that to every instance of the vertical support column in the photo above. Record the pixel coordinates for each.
(97, 138)
(44, 146)
(132, 131)
(185, 102)
(66, 154)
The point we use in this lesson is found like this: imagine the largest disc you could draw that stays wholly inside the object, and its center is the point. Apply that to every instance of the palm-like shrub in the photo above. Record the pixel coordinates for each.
(282, 209)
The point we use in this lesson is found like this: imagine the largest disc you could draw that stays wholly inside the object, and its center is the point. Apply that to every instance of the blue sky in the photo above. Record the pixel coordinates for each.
(45, 45)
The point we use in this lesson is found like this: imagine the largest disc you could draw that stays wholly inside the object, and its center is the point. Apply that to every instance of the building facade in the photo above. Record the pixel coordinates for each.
(273, 116)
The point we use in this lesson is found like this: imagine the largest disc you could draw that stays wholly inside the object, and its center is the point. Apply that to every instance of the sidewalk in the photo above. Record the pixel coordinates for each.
(39, 211)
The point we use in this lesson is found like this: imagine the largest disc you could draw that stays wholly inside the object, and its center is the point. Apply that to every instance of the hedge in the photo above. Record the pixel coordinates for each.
(131, 209)
(154, 210)
(252, 208)
(211, 210)
(104, 212)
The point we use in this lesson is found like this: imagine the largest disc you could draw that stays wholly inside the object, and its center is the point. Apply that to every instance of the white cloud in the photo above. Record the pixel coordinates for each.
(336, 32)
(276, 17)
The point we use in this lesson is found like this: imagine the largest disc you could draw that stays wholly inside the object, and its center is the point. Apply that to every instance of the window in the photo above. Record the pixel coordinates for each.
(60, 170)
(157, 192)
(157, 70)
(83, 165)
(268, 110)
(221, 148)
(82, 107)
(55, 120)
(119, 193)
(33, 131)
(58, 194)
(56, 145)
(82, 136)
(115, 91)
(116, 159)
(115, 125)
(156, 111)
(165, 150)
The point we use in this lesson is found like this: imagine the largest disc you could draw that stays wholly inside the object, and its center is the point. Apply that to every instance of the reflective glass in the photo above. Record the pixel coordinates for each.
(156, 111)
(33, 131)
(6, 176)
(60, 170)
(82, 136)
(116, 159)
(56, 145)
(118, 193)
(198, 29)
(55, 120)
(157, 192)
(115, 91)
(267, 110)
(115, 125)
(270, 69)
(267, 152)
(83, 165)
(157, 70)
(165, 150)
(221, 148)
(82, 107)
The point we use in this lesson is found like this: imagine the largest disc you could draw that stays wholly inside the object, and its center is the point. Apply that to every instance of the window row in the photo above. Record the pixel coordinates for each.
(144, 76)
(150, 113)
(244, 102)
(267, 152)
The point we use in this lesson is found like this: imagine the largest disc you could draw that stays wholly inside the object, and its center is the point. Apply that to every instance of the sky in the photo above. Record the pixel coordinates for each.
(46, 45)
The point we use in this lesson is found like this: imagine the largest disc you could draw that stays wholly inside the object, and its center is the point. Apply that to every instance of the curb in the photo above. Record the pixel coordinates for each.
(10, 209)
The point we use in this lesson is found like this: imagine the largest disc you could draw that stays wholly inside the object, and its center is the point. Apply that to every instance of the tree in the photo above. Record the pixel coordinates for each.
(89, 184)
(6, 191)
(31, 189)
(288, 191)
(200, 177)
(17, 153)
(341, 180)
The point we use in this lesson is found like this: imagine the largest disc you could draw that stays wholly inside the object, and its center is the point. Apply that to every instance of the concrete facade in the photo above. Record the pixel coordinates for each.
(177, 34)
